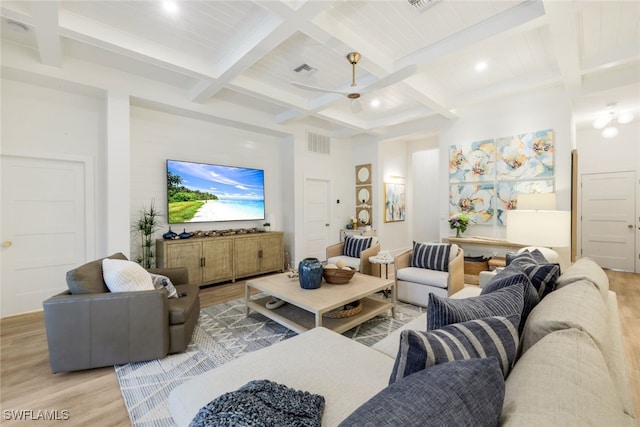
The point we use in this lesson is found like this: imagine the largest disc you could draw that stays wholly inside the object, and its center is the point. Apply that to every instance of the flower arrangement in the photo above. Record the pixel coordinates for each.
(459, 222)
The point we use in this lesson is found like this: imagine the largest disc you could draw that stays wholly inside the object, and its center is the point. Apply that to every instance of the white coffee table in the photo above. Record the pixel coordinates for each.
(306, 306)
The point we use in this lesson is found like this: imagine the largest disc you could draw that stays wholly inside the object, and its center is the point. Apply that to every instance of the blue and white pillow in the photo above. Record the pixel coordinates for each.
(489, 337)
(442, 311)
(431, 256)
(163, 282)
(543, 276)
(465, 393)
(509, 276)
(354, 245)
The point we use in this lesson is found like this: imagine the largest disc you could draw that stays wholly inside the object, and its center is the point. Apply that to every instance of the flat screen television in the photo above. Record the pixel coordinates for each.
(201, 192)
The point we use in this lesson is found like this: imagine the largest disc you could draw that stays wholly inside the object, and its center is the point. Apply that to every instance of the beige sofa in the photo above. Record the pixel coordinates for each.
(572, 370)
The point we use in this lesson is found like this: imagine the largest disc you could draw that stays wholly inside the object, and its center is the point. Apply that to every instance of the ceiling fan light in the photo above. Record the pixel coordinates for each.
(610, 132)
(601, 122)
(624, 118)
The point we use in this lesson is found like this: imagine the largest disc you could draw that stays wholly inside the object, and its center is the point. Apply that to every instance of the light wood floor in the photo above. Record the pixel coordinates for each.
(93, 397)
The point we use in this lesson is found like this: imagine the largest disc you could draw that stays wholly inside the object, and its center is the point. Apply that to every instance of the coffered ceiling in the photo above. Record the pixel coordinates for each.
(235, 60)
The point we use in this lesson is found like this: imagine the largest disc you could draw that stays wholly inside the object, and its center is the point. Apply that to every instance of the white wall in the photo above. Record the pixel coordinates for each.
(539, 110)
(158, 136)
(425, 191)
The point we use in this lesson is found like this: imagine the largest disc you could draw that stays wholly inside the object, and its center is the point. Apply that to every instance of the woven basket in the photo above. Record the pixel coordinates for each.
(339, 313)
(338, 276)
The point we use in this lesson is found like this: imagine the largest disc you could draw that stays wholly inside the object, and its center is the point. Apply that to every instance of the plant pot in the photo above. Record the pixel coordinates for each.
(310, 273)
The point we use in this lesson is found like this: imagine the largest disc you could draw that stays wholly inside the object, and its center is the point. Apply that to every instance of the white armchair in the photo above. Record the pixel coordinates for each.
(414, 284)
(336, 252)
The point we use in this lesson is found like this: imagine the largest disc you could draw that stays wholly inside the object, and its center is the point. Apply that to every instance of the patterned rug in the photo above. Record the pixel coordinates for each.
(221, 334)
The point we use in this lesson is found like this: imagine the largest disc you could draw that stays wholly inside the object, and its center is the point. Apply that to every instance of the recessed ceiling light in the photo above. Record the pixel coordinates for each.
(481, 66)
(170, 6)
(375, 103)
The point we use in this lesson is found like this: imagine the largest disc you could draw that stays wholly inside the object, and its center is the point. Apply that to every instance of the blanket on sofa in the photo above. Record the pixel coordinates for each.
(262, 403)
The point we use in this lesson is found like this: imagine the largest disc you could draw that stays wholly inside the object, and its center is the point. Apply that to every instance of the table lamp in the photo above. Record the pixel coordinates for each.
(540, 228)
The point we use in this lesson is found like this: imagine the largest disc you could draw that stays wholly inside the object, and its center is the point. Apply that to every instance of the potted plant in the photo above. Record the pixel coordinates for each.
(459, 222)
(267, 226)
(147, 224)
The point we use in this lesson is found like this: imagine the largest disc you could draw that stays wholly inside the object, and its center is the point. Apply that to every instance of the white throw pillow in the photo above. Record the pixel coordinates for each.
(125, 276)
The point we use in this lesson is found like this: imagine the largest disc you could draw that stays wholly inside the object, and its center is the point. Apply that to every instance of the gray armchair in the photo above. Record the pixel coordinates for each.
(88, 327)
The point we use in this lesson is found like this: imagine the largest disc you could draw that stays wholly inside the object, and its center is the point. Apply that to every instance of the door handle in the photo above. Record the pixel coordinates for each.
(326, 225)
(629, 226)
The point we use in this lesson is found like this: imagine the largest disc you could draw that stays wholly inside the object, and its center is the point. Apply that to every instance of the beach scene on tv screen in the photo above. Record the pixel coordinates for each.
(199, 192)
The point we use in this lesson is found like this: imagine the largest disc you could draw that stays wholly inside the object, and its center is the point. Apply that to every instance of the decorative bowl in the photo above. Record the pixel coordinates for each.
(338, 276)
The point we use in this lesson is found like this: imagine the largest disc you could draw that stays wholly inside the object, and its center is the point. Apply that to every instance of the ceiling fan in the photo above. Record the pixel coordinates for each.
(354, 95)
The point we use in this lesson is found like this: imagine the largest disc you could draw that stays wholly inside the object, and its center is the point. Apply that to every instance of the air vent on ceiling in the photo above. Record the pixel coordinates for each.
(305, 69)
(317, 143)
(422, 5)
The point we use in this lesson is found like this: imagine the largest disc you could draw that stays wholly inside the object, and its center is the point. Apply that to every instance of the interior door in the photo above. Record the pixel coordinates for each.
(317, 228)
(43, 229)
(608, 219)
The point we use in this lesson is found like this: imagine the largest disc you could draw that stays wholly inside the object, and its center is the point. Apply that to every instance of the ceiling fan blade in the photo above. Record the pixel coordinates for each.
(392, 78)
(314, 89)
(356, 106)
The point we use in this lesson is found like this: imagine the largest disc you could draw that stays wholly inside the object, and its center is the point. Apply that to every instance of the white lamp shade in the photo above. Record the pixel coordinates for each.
(544, 201)
(539, 228)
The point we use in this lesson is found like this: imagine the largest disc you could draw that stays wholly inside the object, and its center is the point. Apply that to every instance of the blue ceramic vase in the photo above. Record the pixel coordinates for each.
(310, 273)
(169, 235)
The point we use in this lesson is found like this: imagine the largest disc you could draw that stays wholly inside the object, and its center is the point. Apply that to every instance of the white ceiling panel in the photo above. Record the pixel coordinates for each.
(227, 52)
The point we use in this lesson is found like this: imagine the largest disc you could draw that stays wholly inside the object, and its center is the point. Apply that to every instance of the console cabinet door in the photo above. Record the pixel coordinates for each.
(272, 253)
(246, 259)
(185, 254)
(217, 260)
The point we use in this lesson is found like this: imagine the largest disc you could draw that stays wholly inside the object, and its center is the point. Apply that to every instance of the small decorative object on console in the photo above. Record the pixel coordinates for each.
(169, 235)
(184, 234)
(310, 273)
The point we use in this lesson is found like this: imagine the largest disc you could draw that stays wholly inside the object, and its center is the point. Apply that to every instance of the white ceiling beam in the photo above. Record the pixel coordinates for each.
(270, 33)
(565, 41)
(615, 57)
(45, 22)
(105, 37)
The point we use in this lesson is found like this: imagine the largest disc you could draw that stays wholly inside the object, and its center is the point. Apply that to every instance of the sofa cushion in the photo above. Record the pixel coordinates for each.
(510, 276)
(489, 337)
(578, 305)
(431, 256)
(180, 308)
(163, 282)
(87, 279)
(586, 269)
(562, 381)
(470, 392)
(503, 302)
(423, 276)
(353, 245)
(542, 275)
(125, 276)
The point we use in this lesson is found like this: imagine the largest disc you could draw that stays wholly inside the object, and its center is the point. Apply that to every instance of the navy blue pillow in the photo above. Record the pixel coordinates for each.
(354, 245)
(489, 337)
(431, 257)
(543, 276)
(512, 275)
(442, 311)
(462, 393)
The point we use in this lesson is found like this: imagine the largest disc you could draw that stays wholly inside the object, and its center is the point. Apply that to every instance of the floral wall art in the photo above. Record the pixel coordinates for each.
(485, 177)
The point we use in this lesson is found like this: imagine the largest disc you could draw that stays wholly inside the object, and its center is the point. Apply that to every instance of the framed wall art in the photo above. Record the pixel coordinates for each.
(394, 202)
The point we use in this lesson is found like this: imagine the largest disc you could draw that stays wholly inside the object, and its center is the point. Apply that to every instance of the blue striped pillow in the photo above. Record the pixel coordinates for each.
(354, 245)
(489, 337)
(442, 311)
(543, 276)
(431, 256)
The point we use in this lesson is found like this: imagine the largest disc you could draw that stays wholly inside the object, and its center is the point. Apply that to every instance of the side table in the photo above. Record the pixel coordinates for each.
(386, 260)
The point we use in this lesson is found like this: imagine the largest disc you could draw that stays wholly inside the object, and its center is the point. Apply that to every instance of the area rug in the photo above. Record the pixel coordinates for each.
(221, 334)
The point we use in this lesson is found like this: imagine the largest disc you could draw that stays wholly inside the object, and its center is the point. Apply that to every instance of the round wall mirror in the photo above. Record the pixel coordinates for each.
(363, 217)
(363, 174)
(364, 195)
